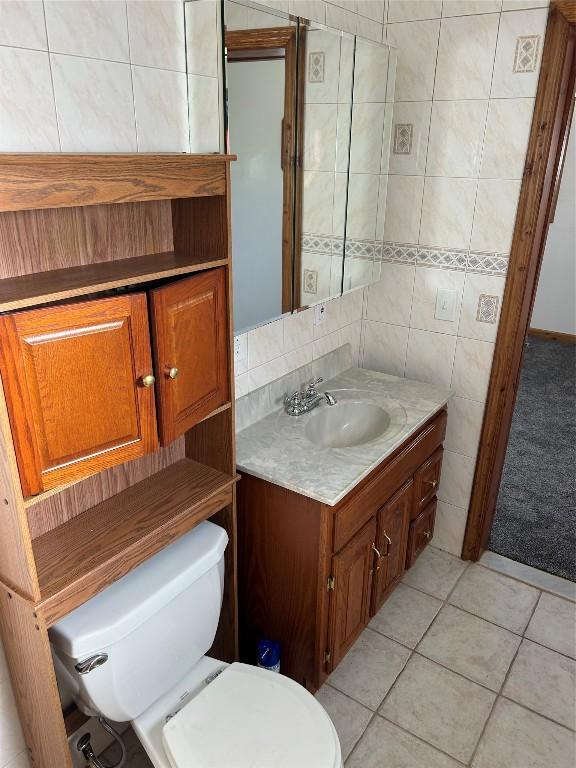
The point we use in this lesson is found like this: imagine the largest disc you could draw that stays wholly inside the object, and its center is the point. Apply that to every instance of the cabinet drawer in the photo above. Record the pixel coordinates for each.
(421, 531)
(426, 481)
(385, 480)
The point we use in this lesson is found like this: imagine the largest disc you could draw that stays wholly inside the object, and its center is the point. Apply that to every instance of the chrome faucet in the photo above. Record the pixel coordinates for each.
(305, 400)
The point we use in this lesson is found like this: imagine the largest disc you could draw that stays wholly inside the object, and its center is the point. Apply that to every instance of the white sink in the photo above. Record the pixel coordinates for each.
(347, 424)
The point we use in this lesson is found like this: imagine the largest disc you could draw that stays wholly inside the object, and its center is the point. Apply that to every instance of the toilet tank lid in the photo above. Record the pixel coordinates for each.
(130, 601)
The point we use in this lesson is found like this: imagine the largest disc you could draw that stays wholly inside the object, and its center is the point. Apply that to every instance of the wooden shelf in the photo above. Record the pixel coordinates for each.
(88, 553)
(57, 284)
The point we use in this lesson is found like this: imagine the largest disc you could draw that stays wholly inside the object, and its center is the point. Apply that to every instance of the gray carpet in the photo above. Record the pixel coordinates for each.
(535, 520)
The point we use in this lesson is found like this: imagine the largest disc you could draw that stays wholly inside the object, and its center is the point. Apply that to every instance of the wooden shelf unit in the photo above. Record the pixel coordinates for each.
(72, 226)
(92, 550)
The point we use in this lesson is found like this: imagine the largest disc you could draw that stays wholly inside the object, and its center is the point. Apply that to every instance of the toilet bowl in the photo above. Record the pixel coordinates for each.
(137, 652)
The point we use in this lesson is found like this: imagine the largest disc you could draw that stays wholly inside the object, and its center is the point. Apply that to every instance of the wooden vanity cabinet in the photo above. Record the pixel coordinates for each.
(311, 575)
(190, 331)
(75, 382)
(352, 570)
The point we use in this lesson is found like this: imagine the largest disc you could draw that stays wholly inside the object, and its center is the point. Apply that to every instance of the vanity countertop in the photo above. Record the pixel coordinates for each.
(277, 448)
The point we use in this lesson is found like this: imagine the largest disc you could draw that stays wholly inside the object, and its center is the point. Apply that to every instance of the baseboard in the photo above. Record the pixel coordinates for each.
(565, 338)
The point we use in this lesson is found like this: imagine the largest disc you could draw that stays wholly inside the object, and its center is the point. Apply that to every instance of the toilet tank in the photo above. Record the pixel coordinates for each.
(154, 624)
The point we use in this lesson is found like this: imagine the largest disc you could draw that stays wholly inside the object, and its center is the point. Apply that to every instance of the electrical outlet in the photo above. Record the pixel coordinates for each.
(319, 314)
(240, 353)
(446, 300)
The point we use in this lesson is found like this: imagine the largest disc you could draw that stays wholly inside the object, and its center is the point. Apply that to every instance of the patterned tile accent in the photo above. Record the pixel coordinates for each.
(488, 263)
(311, 281)
(360, 248)
(403, 138)
(438, 257)
(316, 67)
(526, 55)
(316, 243)
(405, 254)
(487, 308)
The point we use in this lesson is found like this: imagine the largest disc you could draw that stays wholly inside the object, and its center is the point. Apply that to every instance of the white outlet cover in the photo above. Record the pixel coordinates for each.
(319, 314)
(240, 351)
(446, 300)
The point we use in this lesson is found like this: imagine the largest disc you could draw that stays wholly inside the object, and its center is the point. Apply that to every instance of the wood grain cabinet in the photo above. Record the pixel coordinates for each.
(191, 350)
(82, 391)
(76, 388)
(311, 575)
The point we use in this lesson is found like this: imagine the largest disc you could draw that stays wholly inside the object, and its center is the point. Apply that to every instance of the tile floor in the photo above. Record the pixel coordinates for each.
(463, 666)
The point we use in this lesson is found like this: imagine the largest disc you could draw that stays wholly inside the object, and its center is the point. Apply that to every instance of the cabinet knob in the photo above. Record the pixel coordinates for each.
(172, 372)
(148, 380)
(427, 534)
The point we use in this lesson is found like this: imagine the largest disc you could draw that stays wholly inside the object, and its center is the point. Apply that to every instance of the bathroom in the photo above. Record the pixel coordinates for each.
(372, 252)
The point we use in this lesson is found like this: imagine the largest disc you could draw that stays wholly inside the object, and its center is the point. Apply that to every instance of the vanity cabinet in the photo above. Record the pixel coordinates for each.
(80, 382)
(312, 575)
(353, 569)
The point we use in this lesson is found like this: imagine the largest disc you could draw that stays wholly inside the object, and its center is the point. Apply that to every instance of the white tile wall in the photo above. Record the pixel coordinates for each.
(449, 223)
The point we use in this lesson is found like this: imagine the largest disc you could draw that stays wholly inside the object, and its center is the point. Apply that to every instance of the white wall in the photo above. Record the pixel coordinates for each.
(555, 305)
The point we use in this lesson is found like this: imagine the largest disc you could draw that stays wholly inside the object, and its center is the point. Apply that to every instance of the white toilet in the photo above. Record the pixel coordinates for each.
(136, 652)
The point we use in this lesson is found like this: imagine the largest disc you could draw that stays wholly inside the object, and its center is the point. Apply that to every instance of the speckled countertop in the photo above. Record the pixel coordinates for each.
(277, 449)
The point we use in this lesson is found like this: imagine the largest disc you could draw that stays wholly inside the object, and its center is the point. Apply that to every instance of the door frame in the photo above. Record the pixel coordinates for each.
(546, 149)
(254, 43)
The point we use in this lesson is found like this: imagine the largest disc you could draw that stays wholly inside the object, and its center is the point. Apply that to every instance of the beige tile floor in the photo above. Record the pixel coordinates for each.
(479, 670)
(463, 666)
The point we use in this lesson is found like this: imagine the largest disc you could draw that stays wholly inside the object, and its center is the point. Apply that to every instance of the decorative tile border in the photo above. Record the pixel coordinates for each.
(407, 253)
(443, 258)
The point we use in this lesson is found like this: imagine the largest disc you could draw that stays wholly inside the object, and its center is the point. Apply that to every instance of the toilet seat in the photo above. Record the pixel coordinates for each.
(251, 718)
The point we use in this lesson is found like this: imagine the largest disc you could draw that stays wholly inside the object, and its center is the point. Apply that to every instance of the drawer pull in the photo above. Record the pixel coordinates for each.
(388, 543)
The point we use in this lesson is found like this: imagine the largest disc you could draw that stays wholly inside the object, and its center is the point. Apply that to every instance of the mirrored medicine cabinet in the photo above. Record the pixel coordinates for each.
(308, 113)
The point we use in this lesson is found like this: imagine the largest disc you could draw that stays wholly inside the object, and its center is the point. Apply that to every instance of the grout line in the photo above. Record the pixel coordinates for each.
(132, 79)
(523, 581)
(51, 77)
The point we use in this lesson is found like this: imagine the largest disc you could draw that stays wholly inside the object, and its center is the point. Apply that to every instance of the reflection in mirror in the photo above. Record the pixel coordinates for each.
(373, 94)
(327, 58)
(261, 112)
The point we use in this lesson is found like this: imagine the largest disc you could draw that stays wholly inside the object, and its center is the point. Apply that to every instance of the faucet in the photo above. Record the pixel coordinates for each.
(302, 401)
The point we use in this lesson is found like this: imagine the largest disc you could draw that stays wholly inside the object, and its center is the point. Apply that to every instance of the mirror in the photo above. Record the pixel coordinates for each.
(261, 51)
(309, 114)
(327, 58)
(369, 156)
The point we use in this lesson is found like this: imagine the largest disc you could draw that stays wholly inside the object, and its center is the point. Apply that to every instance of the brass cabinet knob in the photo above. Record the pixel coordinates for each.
(148, 380)
(172, 372)
(427, 534)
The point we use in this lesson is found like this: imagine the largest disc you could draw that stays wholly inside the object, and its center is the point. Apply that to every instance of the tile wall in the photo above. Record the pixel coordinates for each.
(109, 76)
(466, 81)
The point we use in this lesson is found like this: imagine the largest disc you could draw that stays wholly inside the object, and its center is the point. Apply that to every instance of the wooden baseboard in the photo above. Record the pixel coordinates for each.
(565, 338)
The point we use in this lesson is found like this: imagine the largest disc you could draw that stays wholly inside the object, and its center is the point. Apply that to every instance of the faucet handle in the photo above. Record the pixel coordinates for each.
(293, 398)
(311, 388)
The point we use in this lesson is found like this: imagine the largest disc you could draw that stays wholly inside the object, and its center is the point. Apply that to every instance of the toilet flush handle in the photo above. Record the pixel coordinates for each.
(83, 667)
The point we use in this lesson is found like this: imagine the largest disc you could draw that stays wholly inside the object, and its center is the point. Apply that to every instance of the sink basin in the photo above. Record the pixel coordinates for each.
(347, 424)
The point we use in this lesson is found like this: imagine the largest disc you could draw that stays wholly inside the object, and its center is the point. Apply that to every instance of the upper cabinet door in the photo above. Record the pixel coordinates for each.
(79, 388)
(191, 350)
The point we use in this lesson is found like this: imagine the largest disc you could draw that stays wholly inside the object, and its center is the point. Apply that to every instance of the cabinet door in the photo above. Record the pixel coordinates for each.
(426, 481)
(421, 531)
(350, 600)
(74, 377)
(391, 543)
(191, 350)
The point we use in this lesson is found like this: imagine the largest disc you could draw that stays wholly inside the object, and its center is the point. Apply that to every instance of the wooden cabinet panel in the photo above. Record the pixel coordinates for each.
(421, 531)
(191, 350)
(391, 542)
(73, 376)
(426, 481)
(352, 570)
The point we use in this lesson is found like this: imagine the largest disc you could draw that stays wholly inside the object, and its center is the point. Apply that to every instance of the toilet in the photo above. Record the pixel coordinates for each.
(136, 652)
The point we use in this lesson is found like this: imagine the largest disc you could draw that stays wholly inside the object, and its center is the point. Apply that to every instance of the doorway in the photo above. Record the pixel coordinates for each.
(539, 192)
